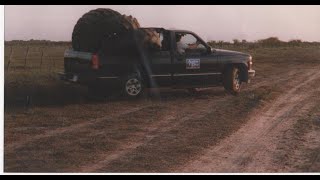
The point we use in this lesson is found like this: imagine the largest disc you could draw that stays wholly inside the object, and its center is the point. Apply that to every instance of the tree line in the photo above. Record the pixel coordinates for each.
(268, 42)
(37, 42)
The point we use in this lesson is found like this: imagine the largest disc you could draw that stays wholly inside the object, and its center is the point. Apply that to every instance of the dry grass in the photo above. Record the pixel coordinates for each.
(38, 88)
(181, 144)
(303, 141)
(34, 57)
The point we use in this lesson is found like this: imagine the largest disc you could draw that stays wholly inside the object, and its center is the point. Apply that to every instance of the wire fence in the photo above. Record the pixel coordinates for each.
(50, 57)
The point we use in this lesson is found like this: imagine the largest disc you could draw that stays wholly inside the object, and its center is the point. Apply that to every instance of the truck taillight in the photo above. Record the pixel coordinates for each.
(95, 61)
(250, 63)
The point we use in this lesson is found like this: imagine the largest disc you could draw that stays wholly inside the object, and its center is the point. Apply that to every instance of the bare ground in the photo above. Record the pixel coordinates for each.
(272, 126)
(259, 146)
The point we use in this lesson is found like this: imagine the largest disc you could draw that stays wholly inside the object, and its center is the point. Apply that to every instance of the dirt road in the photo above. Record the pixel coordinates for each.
(272, 126)
(256, 147)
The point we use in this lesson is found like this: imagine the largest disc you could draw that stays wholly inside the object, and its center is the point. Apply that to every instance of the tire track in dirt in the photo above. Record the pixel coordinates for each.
(313, 144)
(156, 130)
(251, 148)
(11, 147)
(171, 120)
(274, 78)
(51, 133)
(304, 155)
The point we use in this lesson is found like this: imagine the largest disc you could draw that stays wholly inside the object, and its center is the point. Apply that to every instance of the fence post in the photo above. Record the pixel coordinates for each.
(11, 52)
(50, 59)
(25, 58)
(41, 49)
(54, 63)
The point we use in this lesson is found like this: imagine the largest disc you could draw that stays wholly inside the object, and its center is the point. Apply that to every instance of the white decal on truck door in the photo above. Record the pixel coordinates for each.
(192, 63)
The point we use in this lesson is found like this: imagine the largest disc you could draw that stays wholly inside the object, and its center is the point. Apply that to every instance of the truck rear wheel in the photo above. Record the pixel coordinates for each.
(231, 80)
(133, 86)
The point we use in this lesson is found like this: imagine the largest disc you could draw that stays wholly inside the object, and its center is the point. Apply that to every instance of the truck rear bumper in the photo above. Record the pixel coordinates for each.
(87, 79)
(251, 73)
(68, 77)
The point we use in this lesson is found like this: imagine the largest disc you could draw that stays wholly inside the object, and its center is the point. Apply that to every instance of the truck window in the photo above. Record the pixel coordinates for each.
(188, 43)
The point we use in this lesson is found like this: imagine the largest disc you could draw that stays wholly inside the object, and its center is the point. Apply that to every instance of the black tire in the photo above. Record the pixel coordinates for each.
(95, 26)
(151, 39)
(108, 29)
(133, 21)
(231, 80)
(132, 86)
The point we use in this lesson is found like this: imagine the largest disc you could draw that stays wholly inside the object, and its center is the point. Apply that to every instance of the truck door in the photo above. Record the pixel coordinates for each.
(161, 62)
(193, 64)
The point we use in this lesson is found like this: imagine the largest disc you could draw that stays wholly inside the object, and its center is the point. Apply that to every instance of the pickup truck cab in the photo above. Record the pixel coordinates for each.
(184, 60)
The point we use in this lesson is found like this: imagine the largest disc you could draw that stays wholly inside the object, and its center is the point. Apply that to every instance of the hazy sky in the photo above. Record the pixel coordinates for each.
(210, 22)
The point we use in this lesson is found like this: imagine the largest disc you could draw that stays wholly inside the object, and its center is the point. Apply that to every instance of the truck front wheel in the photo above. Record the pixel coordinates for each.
(232, 80)
(133, 86)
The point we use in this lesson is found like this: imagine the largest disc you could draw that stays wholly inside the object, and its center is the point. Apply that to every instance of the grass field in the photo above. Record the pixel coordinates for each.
(35, 57)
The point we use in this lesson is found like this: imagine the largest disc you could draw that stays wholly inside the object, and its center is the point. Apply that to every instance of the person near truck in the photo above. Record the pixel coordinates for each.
(181, 47)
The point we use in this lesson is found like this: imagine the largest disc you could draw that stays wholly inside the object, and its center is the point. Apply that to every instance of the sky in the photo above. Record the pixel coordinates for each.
(211, 22)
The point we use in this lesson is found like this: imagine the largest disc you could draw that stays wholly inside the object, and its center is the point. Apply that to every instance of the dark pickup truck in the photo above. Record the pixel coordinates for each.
(183, 61)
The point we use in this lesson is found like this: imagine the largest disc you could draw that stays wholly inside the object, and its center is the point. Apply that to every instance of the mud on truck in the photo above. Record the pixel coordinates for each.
(111, 51)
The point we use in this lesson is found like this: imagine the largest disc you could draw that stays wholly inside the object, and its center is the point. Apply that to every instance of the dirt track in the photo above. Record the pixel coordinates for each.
(268, 128)
(254, 147)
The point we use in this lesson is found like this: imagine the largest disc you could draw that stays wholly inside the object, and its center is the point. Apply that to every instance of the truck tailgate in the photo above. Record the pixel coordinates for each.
(76, 62)
(77, 67)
